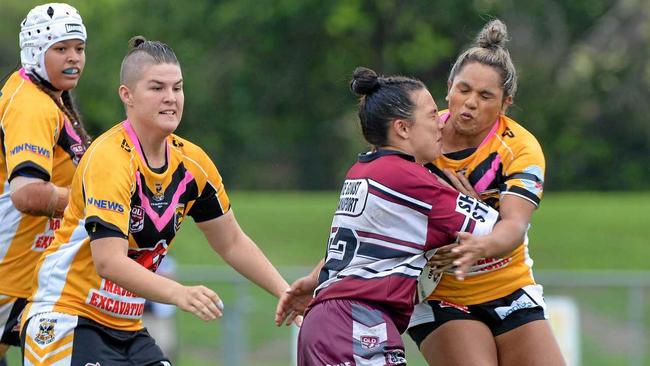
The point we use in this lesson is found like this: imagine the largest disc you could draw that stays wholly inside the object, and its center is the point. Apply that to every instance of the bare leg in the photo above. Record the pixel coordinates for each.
(531, 344)
(460, 343)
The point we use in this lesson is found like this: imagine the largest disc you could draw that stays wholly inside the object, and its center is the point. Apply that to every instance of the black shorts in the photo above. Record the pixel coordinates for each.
(501, 315)
(10, 310)
(77, 341)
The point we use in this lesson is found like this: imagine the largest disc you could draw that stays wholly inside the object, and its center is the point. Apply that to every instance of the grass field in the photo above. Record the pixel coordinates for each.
(571, 231)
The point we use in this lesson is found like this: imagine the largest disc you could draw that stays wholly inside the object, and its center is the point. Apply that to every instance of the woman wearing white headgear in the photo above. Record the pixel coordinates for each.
(42, 141)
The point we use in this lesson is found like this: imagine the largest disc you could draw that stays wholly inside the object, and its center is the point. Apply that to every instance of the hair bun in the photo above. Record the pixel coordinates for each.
(364, 81)
(493, 35)
(136, 41)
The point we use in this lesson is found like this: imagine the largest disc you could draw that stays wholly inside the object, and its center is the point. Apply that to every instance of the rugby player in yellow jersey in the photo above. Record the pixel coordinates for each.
(489, 310)
(42, 141)
(132, 191)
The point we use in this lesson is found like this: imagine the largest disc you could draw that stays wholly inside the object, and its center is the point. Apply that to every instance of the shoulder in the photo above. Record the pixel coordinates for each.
(405, 176)
(193, 156)
(111, 148)
(25, 99)
(516, 139)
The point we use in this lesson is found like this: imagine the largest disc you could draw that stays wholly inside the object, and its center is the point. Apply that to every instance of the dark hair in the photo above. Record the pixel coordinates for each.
(383, 99)
(489, 49)
(68, 107)
(143, 51)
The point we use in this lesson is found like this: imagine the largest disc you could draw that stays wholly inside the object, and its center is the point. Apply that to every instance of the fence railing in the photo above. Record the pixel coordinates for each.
(580, 285)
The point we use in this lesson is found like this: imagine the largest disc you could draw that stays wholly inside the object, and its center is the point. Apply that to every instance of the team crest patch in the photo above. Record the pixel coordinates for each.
(159, 195)
(136, 221)
(78, 150)
(179, 214)
(45, 331)
(369, 342)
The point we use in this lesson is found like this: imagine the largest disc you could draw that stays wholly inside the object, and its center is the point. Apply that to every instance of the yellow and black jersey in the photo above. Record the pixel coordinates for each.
(116, 193)
(509, 161)
(36, 141)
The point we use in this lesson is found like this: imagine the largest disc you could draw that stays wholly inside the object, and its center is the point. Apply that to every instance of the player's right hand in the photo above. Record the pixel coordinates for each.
(200, 301)
(294, 301)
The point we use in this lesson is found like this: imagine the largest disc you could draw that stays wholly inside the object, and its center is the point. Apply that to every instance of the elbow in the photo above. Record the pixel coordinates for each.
(33, 199)
(104, 268)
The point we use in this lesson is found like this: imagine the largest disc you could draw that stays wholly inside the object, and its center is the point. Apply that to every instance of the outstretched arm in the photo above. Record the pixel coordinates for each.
(112, 263)
(228, 239)
(295, 300)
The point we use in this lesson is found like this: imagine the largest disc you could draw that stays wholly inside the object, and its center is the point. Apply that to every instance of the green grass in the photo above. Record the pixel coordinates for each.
(571, 231)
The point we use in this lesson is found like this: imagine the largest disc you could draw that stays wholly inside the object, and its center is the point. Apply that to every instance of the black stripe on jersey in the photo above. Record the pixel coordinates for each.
(526, 176)
(98, 228)
(69, 145)
(479, 171)
(525, 193)
(374, 190)
(461, 154)
(207, 206)
(438, 172)
(30, 166)
(376, 251)
(160, 205)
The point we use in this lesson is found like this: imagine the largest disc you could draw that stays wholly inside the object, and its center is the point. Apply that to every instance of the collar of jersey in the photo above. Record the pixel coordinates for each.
(372, 155)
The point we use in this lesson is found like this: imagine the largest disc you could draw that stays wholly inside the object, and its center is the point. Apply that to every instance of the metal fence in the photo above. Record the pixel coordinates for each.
(612, 308)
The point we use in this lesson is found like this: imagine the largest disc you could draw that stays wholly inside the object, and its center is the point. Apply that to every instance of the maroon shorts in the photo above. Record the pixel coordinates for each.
(348, 333)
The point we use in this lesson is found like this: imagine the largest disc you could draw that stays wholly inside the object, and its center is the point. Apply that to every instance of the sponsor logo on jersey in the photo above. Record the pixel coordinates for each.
(472, 208)
(105, 204)
(125, 145)
(42, 241)
(508, 132)
(177, 143)
(524, 302)
(179, 214)
(136, 219)
(150, 258)
(369, 342)
(396, 357)
(39, 150)
(352, 200)
(447, 304)
(114, 300)
(45, 333)
(74, 28)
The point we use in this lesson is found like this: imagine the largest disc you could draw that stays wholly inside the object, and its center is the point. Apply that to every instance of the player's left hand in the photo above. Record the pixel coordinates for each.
(470, 248)
(294, 301)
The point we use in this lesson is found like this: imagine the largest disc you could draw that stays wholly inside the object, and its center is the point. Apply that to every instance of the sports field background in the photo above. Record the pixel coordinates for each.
(571, 231)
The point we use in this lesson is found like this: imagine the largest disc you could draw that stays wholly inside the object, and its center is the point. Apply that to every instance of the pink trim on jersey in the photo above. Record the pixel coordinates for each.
(70, 131)
(489, 176)
(490, 134)
(23, 74)
(389, 239)
(134, 140)
(161, 221)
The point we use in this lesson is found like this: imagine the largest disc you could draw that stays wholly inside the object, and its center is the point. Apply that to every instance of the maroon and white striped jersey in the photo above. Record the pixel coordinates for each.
(390, 213)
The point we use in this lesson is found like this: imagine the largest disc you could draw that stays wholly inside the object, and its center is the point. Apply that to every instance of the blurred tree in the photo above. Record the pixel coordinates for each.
(266, 82)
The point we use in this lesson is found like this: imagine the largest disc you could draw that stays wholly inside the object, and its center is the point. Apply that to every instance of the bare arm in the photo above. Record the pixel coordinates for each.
(228, 239)
(508, 233)
(112, 263)
(34, 196)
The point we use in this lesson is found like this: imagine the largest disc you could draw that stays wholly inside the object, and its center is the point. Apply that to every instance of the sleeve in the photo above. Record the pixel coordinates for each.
(29, 136)
(107, 187)
(525, 173)
(213, 200)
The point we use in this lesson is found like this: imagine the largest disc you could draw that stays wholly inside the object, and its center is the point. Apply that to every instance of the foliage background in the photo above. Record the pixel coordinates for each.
(266, 82)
